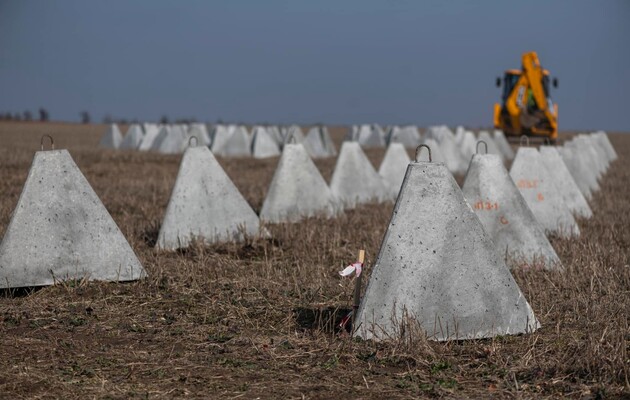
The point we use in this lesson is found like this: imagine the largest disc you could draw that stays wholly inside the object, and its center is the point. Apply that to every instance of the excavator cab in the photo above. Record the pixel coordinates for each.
(526, 107)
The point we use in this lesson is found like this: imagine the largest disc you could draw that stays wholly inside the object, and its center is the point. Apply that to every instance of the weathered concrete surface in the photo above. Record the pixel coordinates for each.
(535, 184)
(505, 215)
(367, 136)
(393, 167)
(600, 153)
(297, 190)
(453, 157)
(564, 182)
(437, 265)
(354, 179)
(503, 145)
(150, 134)
(133, 138)
(205, 205)
(263, 145)
(468, 146)
(438, 133)
(599, 161)
(576, 168)
(60, 230)
(220, 135)
(112, 138)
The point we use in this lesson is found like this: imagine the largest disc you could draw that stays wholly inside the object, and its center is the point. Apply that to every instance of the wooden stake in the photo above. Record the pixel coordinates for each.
(357, 290)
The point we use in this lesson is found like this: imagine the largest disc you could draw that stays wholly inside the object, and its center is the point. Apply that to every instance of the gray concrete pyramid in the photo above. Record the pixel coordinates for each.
(297, 190)
(170, 140)
(577, 170)
(112, 138)
(438, 133)
(503, 145)
(601, 155)
(437, 266)
(535, 184)
(468, 146)
(151, 133)
(459, 134)
(452, 155)
(610, 150)
(492, 146)
(319, 142)
(220, 135)
(200, 132)
(407, 135)
(263, 144)
(60, 230)
(367, 136)
(205, 205)
(583, 157)
(394, 166)
(505, 216)
(276, 135)
(598, 160)
(564, 182)
(354, 179)
(436, 152)
(237, 144)
(133, 138)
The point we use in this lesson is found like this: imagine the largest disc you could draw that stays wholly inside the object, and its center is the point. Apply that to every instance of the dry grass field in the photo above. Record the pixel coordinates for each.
(257, 319)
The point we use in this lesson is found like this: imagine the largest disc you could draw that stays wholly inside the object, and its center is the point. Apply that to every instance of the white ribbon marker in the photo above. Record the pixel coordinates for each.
(356, 268)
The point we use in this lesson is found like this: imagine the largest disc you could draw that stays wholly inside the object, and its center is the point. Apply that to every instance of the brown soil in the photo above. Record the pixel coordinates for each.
(257, 319)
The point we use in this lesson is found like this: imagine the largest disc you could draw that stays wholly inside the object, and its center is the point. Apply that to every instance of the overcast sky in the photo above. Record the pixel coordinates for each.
(335, 62)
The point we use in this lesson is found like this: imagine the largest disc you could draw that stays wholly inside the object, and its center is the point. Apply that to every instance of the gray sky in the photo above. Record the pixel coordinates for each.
(393, 61)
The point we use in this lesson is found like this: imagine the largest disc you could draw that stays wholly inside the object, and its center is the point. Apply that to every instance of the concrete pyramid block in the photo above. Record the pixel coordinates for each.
(368, 136)
(564, 182)
(598, 160)
(169, 141)
(60, 230)
(492, 146)
(436, 152)
(452, 155)
(354, 179)
(437, 266)
(200, 132)
(275, 133)
(468, 146)
(535, 184)
(237, 143)
(503, 145)
(263, 144)
(610, 150)
(151, 133)
(205, 205)
(459, 134)
(319, 142)
(133, 138)
(505, 215)
(589, 171)
(394, 166)
(577, 170)
(407, 135)
(112, 138)
(297, 190)
(602, 156)
(220, 135)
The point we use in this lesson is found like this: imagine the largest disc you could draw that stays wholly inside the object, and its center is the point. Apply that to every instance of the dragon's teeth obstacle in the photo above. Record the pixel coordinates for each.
(60, 230)
(535, 184)
(205, 205)
(438, 268)
(505, 215)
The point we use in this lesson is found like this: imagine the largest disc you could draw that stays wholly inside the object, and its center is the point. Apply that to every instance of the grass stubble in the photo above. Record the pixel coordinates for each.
(257, 319)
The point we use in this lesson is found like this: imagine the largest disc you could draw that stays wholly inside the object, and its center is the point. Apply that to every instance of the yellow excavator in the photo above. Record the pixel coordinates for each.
(526, 107)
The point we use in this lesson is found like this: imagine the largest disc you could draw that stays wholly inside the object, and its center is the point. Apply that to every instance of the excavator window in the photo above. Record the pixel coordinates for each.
(509, 81)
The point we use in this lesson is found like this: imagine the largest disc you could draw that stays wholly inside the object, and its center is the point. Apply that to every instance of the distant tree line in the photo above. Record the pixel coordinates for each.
(24, 116)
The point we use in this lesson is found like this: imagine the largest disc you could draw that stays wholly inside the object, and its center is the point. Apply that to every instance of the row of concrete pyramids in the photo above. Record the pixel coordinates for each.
(223, 140)
(438, 264)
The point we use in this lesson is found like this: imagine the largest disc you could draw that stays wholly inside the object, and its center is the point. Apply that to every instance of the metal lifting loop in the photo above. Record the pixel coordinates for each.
(52, 142)
(526, 138)
(419, 149)
(292, 139)
(477, 147)
(190, 141)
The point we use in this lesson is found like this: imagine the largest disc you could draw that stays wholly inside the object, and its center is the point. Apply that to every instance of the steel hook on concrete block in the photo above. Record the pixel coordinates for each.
(419, 150)
(52, 142)
(291, 139)
(190, 141)
(526, 138)
(477, 147)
